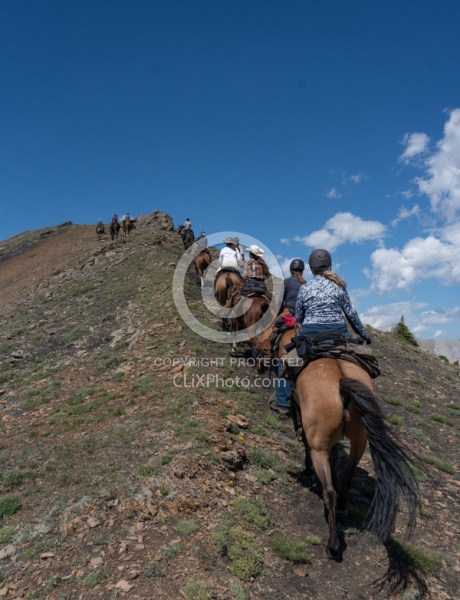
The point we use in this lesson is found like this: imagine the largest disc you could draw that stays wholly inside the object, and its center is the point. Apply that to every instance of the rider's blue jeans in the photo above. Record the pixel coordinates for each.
(283, 390)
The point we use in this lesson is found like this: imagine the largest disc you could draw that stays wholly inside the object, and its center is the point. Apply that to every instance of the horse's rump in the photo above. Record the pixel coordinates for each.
(335, 397)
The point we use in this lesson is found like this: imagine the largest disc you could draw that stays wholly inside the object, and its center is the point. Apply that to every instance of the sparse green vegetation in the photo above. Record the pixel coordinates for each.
(154, 569)
(9, 505)
(420, 382)
(75, 334)
(266, 460)
(289, 548)
(244, 554)
(394, 401)
(314, 540)
(419, 435)
(200, 590)
(187, 527)
(6, 533)
(93, 579)
(441, 419)
(425, 561)
(173, 550)
(237, 592)
(252, 513)
(147, 470)
(395, 420)
(265, 477)
(442, 465)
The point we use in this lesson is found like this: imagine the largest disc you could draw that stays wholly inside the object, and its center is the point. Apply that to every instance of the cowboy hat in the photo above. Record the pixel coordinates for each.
(229, 240)
(255, 250)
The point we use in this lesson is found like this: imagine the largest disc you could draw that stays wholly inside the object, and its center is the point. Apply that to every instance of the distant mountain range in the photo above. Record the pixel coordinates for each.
(448, 348)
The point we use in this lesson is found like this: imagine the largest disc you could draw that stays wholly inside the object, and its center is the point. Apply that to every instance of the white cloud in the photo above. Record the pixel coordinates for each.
(419, 259)
(442, 181)
(334, 194)
(416, 143)
(404, 213)
(343, 228)
(356, 178)
(285, 241)
(385, 316)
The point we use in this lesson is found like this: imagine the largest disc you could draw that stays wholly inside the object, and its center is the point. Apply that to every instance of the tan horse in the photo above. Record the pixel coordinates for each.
(224, 281)
(100, 232)
(201, 261)
(128, 226)
(334, 398)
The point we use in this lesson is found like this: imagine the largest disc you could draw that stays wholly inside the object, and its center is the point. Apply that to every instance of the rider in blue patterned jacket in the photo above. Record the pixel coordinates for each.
(323, 303)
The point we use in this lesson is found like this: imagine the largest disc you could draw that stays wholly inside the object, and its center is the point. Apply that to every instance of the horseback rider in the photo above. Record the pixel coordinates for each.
(187, 224)
(239, 250)
(323, 303)
(115, 219)
(100, 223)
(255, 272)
(228, 255)
(292, 285)
(202, 241)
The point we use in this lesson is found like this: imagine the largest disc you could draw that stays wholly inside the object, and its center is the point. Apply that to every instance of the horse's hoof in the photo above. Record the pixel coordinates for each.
(333, 553)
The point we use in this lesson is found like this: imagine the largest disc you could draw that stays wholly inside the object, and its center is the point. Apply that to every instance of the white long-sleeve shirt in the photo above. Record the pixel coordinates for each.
(228, 258)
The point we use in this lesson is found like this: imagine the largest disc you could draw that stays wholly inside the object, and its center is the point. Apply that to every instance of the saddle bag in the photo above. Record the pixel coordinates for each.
(254, 286)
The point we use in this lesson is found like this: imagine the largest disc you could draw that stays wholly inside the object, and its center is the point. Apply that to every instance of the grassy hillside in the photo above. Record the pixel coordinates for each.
(122, 476)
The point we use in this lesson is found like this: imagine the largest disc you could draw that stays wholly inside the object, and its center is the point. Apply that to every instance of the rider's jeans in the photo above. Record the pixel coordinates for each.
(283, 390)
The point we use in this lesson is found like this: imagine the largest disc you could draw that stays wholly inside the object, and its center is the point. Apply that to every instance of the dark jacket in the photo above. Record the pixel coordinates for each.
(291, 290)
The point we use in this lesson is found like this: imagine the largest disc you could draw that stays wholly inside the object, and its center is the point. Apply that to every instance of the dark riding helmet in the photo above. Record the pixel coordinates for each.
(320, 259)
(297, 265)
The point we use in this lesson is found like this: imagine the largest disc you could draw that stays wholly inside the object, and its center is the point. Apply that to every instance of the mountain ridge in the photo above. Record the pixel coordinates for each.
(118, 480)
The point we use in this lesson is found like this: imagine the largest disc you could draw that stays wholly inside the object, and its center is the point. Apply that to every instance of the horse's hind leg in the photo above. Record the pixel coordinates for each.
(322, 468)
(356, 452)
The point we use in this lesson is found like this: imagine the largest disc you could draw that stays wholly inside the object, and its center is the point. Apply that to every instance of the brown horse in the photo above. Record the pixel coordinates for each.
(223, 282)
(252, 309)
(100, 231)
(201, 261)
(264, 343)
(128, 226)
(334, 398)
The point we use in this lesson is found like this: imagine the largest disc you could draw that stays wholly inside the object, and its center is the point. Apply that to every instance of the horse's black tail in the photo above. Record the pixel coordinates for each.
(392, 463)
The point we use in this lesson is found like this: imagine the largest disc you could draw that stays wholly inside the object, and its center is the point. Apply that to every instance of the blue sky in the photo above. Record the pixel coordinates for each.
(304, 124)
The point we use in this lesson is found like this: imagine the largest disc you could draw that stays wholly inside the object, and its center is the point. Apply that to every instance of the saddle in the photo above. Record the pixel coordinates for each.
(254, 287)
(229, 270)
(281, 325)
(305, 349)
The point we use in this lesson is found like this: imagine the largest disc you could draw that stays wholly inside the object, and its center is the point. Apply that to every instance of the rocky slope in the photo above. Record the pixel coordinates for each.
(121, 476)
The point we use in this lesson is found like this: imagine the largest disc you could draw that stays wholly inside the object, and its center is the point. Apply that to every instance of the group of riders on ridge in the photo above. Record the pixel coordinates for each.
(332, 397)
(319, 305)
(115, 221)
